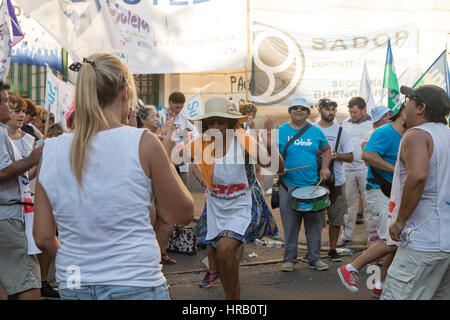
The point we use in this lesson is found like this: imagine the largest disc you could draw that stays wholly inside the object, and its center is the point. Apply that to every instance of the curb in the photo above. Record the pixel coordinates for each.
(246, 264)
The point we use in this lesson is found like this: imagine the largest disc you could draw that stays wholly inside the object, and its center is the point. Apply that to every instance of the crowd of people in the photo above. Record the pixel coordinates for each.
(104, 198)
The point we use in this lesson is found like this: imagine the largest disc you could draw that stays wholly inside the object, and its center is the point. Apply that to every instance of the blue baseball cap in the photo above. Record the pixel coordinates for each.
(378, 113)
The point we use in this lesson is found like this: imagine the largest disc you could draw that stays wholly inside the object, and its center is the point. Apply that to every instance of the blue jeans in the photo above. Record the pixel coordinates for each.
(105, 292)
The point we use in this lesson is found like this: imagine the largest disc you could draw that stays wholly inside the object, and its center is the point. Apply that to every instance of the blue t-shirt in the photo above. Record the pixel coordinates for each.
(301, 153)
(385, 141)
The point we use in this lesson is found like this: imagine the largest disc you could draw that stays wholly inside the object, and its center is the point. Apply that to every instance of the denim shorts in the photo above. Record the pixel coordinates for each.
(105, 292)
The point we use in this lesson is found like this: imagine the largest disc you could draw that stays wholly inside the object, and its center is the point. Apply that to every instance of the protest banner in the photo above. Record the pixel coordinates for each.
(288, 64)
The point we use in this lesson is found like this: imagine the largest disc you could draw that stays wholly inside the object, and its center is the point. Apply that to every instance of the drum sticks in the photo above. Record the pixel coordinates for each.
(317, 185)
(292, 169)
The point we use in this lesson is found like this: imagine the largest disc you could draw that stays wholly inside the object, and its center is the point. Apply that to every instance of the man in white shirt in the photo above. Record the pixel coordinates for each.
(357, 125)
(343, 153)
(420, 200)
(176, 104)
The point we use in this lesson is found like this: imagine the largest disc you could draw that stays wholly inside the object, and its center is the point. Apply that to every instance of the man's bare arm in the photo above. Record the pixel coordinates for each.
(21, 166)
(375, 160)
(415, 153)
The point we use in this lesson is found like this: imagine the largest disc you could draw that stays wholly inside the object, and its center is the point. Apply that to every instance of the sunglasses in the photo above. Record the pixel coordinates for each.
(295, 108)
(210, 121)
(416, 99)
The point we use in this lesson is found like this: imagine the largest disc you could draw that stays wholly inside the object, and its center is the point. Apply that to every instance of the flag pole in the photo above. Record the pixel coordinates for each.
(247, 83)
(384, 74)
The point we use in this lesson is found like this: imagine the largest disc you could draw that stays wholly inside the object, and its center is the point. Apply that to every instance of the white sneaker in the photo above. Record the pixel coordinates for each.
(288, 266)
(319, 265)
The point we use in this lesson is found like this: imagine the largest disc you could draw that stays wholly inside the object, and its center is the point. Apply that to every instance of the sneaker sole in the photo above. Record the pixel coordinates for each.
(335, 259)
(319, 269)
(346, 285)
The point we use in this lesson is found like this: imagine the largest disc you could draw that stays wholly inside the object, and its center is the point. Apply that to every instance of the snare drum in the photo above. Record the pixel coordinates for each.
(303, 201)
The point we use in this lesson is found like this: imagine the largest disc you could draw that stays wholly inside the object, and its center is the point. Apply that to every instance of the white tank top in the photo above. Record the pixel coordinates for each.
(428, 227)
(104, 227)
(229, 202)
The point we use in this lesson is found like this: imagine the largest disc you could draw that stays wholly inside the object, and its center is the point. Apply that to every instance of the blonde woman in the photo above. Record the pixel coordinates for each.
(96, 185)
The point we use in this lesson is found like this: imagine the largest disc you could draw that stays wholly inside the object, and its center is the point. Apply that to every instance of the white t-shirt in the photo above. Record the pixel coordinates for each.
(345, 146)
(183, 123)
(24, 145)
(356, 132)
(104, 226)
(368, 135)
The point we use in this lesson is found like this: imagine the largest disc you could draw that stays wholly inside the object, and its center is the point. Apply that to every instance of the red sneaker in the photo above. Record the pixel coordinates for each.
(348, 279)
(376, 293)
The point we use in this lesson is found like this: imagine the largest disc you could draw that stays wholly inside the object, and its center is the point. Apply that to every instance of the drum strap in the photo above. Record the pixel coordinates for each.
(297, 135)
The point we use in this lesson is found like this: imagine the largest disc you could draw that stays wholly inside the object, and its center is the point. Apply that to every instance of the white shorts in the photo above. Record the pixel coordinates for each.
(377, 209)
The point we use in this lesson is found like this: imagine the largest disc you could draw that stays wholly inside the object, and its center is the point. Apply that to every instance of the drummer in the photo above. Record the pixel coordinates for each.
(302, 152)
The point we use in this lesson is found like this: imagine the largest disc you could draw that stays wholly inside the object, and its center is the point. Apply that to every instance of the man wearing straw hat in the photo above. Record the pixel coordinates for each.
(303, 151)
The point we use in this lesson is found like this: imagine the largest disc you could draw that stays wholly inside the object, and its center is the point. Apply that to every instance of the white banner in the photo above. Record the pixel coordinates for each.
(59, 95)
(82, 27)
(149, 36)
(183, 36)
(288, 64)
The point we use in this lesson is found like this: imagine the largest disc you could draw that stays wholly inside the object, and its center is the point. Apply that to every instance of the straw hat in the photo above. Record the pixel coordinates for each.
(220, 107)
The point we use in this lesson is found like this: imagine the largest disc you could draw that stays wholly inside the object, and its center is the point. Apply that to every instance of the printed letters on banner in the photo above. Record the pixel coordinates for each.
(288, 64)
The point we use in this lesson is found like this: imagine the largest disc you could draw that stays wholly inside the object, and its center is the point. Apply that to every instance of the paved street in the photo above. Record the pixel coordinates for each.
(261, 276)
(264, 280)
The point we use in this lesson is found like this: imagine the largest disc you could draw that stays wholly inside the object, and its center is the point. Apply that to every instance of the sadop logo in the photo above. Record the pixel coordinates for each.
(278, 65)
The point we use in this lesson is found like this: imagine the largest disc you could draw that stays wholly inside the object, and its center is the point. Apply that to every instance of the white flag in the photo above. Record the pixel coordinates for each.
(365, 90)
(59, 95)
(5, 41)
(82, 27)
(193, 106)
